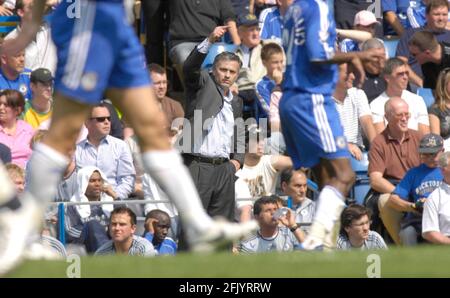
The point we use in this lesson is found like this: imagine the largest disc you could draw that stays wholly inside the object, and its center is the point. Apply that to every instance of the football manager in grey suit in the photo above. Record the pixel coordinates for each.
(217, 148)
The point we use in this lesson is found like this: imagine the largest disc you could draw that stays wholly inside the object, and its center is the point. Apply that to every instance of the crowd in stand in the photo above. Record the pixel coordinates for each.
(385, 119)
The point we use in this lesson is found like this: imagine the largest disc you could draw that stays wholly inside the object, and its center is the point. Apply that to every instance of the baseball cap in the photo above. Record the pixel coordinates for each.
(42, 75)
(247, 20)
(365, 18)
(431, 143)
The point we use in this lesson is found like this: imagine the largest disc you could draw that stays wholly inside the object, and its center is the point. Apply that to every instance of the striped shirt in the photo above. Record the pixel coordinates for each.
(355, 106)
(374, 241)
(283, 240)
(139, 247)
(54, 244)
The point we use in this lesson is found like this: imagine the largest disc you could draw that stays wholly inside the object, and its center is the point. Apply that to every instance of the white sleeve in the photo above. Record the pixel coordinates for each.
(430, 217)
(422, 111)
(362, 103)
(377, 111)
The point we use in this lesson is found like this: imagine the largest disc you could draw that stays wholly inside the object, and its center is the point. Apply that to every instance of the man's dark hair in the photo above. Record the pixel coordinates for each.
(156, 68)
(351, 213)
(391, 64)
(286, 175)
(227, 56)
(424, 40)
(157, 214)
(435, 4)
(257, 206)
(125, 210)
(100, 105)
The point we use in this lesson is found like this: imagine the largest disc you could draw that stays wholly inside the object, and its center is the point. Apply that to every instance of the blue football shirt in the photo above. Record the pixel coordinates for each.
(309, 36)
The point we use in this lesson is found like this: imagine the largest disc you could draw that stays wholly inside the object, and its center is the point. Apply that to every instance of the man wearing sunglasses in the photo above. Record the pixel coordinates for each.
(110, 154)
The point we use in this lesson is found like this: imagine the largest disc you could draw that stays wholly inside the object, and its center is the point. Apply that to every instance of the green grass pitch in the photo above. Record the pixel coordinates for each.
(422, 261)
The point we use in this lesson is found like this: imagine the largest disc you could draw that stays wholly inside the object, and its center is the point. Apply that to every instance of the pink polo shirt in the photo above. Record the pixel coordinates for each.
(19, 143)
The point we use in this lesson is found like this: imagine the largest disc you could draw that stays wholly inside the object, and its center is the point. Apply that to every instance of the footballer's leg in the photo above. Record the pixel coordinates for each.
(338, 177)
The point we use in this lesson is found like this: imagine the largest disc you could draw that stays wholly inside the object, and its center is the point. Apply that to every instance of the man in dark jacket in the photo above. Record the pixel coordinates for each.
(216, 149)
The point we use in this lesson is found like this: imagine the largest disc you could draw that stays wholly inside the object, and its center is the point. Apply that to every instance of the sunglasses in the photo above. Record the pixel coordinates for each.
(101, 119)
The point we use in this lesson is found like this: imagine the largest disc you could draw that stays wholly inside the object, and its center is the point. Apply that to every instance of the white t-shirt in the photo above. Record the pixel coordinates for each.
(417, 108)
(436, 211)
(256, 181)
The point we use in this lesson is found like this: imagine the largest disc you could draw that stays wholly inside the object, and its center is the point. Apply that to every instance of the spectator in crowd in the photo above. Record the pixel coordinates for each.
(395, 74)
(17, 176)
(395, 20)
(5, 154)
(14, 75)
(15, 133)
(213, 159)
(294, 184)
(272, 57)
(364, 21)
(271, 20)
(87, 224)
(433, 56)
(123, 241)
(355, 230)
(259, 175)
(354, 112)
(391, 155)
(252, 69)
(190, 23)
(172, 109)
(436, 211)
(157, 226)
(271, 236)
(39, 108)
(41, 52)
(110, 154)
(436, 21)
(374, 84)
(410, 194)
(439, 112)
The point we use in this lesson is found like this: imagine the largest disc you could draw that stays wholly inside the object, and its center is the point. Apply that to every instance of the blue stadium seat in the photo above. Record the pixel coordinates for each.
(391, 46)
(215, 50)
(362, 183)
(427, 96)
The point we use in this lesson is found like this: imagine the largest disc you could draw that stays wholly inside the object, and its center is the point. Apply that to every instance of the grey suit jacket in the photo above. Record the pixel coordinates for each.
(202, 93)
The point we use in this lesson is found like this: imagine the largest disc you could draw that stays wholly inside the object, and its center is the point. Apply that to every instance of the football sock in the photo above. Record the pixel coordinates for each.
(167, 169)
